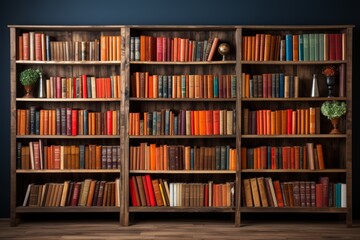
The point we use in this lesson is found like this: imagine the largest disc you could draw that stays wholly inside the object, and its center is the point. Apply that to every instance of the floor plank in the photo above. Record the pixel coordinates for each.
(178, 230)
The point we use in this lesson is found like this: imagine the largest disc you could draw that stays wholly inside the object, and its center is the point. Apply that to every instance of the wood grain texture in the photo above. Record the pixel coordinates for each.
(174, 229)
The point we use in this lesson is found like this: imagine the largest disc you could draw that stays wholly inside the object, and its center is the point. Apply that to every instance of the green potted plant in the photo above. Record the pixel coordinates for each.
(333, 110)
(28, 78)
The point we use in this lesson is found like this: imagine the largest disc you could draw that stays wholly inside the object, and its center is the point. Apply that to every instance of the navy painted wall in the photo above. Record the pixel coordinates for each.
(186, 12)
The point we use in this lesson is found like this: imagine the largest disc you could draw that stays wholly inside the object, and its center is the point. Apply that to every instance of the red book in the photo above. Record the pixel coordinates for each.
(146, 190)
(289, 121)
(84, 86)
(26, 47)
(74, 122)
(338, 46)
(332, 46)
(278, 193)
(209, 122)
(132, 192)
(38, 48)
(216, 122)
(107, 86)
(151, 191)
(109, 122)
(75, 195)
(319, 195)
(206, 195)
(159, 49)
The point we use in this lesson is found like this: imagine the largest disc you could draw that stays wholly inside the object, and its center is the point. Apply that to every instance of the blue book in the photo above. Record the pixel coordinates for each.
(82, 156)
(268, 148)
(216, 86)
(137, 48)
(281, 85)
(132, 48)
(217, 158)
(251, 84)
(288, 47)
(48, 49)
(279, 160)
(165, 87)
(88, 85)
(86, 126)
(154, 119)
(175, 125)
(192, 158)
(301, 47)
(160, 86)
(169, 78)
(167, 122)
(233, 86)
(306, 47)
(183, 86)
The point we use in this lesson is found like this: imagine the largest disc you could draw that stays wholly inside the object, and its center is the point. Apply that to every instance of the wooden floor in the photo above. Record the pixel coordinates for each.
(173, 229)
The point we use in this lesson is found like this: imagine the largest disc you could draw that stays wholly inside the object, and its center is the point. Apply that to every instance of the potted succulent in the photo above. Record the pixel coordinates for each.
(333, 110)
(28, 78)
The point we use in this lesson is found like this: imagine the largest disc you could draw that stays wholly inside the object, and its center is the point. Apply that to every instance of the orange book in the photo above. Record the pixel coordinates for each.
(103, 48)
(244, 48)
(307, 121)
(312, 120)
(253, 46)
(153, 156)
(297, 157)
(202, 122)
(209, 122)
(243, 158)
(293, 124)
(216, 122)
(272, 122)
(278, 193)
(320, 154)
(295, 47)
(248, 48)
(267, 47)
(283, 121)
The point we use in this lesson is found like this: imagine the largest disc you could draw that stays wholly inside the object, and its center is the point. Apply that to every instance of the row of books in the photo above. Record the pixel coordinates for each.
(270, 85)
(310, 156)
(67, 121)
(183, 122)
(180, 157)
(176, 49)
(37, 156)
(264, 192)
(144, 85)
(286, 121)
(37, 46)
(294, 47)
(145, 191)
(87, 193)
(83, 86)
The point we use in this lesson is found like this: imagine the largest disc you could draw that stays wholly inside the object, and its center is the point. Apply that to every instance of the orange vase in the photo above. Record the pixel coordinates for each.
(335, 123)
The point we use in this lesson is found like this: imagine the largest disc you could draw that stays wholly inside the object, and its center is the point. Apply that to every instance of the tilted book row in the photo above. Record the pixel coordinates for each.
(183, 122)
(87, 193)
(286, 121)
(144, 85)
(264, 192)
(83, 86)
(36, 156)
(176, 49)
(270, 85)
(294, 47)
(145, 191)
(37, 46)
(180, 157)
(309, 156)
(67, 121)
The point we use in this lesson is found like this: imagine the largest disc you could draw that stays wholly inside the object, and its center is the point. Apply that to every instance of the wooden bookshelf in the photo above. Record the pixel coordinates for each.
(134, 138)
(62, 44)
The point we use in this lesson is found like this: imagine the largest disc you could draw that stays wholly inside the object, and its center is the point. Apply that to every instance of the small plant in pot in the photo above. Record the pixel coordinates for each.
(28, 78)
(333, 110)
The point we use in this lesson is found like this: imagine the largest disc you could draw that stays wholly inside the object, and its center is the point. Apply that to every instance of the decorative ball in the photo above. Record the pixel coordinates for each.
(224, 48)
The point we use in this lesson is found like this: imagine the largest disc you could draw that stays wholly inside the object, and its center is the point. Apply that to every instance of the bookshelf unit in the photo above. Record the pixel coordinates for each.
(178, 73)
(68, 149)
(148, 148)
(271, 139)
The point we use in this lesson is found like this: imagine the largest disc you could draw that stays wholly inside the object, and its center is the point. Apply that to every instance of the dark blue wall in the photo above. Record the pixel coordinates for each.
(185, 12)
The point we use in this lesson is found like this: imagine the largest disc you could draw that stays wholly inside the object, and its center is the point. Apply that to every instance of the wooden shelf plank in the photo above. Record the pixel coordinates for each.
(69, 171)
(300, 99)
(184, 99)
(184, 63)
(68, 99)
(181, 136)
(293, 171)
(69, 62)
(67, 137)
(66, 209)
(183, 171)
(297, 136)
(292, 209)
(291, 62)
(181, 209)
